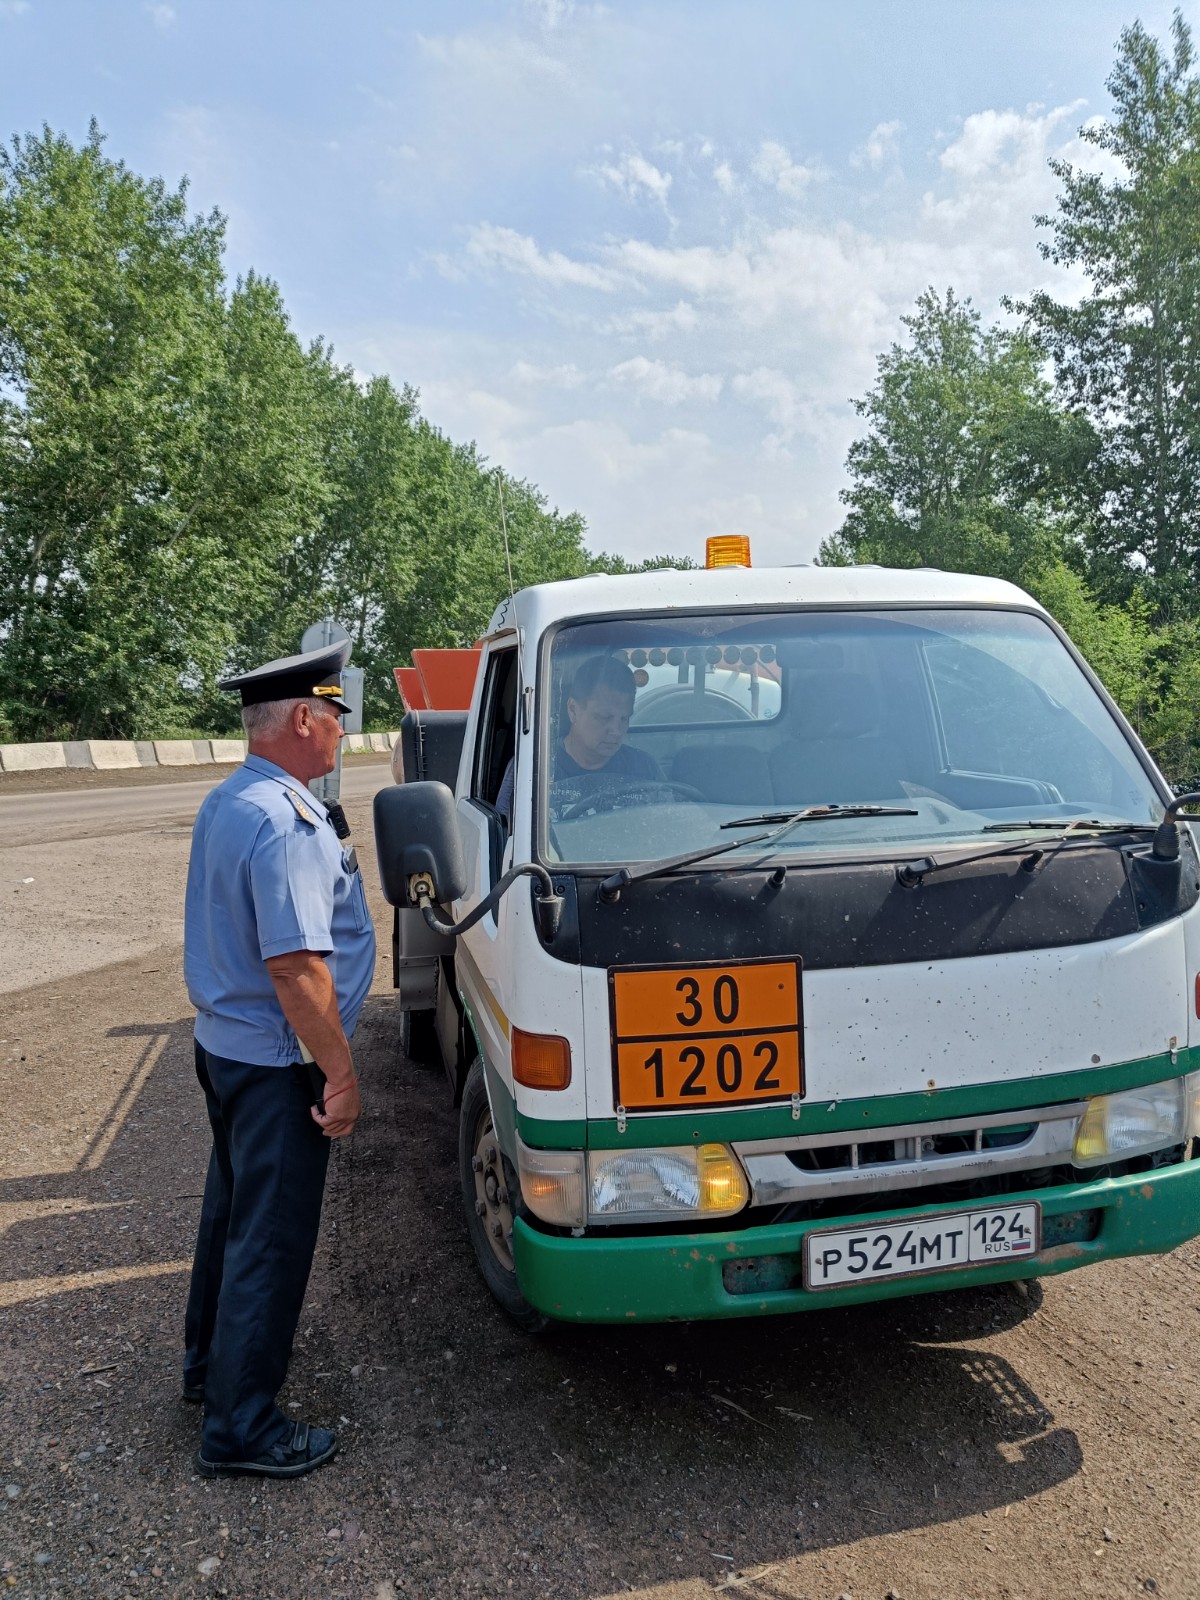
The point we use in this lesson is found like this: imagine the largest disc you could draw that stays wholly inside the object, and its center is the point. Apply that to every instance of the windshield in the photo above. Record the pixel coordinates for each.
(659, 730)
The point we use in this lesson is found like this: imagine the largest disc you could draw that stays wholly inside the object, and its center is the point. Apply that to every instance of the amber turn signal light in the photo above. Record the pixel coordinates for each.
(540, 1060)
(727, 550)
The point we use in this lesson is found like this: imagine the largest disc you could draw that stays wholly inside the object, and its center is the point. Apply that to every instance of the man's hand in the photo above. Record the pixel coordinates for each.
(342, 1108)
(304, 989)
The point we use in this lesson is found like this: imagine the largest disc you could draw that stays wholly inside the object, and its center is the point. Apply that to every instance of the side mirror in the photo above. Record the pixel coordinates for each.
(416, 833)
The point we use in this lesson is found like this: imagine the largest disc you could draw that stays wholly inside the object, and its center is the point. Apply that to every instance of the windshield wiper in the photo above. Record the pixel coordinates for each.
(820, 814)
(610, 887)
(910, 874)
(1071, 824)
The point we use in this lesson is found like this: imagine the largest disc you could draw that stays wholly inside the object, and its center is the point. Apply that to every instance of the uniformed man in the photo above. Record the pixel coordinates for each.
(279, 953)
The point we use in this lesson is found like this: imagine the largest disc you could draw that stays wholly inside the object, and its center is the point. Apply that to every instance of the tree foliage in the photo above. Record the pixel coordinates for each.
(1063, 453)
(970, 464)
(967, 462)
(1127, 352)
(184, 486)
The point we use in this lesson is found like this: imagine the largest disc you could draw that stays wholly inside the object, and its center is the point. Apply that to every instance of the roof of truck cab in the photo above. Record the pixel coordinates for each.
(602, 595)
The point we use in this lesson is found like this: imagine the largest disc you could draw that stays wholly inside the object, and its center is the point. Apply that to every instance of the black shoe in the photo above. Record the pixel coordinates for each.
(193, 1393)
(290, 1458)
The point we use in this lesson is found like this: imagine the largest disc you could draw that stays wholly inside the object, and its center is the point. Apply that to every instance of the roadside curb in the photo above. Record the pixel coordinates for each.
(112, 755)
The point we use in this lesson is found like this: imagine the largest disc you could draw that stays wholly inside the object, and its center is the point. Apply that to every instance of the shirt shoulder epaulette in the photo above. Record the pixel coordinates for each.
(305, 813)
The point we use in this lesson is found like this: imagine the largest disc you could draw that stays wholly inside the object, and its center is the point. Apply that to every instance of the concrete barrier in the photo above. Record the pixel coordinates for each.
(31, 757)
(113, 755)
(117, 755)
(182, 752)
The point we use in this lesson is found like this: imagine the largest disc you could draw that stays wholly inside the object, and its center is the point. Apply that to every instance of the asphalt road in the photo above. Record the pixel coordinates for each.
(981, 1444)
(88, 813)
(75, 865)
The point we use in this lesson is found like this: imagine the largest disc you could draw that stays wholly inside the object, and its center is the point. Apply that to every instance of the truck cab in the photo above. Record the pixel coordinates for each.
(795, 937)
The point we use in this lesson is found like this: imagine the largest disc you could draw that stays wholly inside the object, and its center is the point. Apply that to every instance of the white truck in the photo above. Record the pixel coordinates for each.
(857, 955)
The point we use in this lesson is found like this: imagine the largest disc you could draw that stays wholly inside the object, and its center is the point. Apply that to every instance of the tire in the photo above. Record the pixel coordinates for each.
(418, 1037)
(487, 1189)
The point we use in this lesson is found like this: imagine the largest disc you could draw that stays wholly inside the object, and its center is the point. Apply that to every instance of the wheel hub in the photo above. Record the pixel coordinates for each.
(492, 1204)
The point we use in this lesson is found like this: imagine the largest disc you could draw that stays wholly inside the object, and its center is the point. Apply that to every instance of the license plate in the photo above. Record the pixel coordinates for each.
(708, 1035)
(929, 1244)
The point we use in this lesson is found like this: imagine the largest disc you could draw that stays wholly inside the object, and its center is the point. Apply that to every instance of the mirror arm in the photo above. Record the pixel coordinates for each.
(547, 902)
(1166, 839)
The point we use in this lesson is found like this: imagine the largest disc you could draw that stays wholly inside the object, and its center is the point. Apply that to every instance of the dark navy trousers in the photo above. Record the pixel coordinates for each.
(254, 1249)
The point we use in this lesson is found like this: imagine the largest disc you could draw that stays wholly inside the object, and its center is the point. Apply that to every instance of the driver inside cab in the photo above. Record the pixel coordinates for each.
(599, 706)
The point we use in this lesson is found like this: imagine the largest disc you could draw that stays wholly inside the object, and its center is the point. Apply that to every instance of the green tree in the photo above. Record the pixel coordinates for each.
(967, 462)
(1127, 352)
(265, 484)
(184, 487)
(1119, 642)
(109, 324)
(971, 465)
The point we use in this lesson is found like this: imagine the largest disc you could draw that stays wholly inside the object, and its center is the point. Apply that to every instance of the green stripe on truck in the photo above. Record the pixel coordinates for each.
(840, 1116)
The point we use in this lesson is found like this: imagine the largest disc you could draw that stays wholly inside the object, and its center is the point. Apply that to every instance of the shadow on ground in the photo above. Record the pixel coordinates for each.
(476, 1460)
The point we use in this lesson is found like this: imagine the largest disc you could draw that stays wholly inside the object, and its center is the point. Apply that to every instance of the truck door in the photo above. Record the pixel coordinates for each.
(481, 972)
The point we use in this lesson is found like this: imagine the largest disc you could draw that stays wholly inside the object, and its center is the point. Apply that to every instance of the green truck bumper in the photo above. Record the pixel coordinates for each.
(758, 1271)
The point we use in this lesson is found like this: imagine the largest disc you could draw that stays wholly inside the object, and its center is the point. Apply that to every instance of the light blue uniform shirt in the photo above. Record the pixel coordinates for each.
(268, 875)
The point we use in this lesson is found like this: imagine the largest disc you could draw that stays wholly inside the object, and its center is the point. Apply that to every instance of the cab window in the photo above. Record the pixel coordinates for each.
(495, 742)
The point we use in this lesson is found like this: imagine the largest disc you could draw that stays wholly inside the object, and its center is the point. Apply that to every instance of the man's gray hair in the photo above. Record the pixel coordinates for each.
(270, 718)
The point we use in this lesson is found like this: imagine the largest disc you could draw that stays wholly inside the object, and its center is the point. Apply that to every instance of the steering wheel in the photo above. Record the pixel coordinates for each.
(606, 799)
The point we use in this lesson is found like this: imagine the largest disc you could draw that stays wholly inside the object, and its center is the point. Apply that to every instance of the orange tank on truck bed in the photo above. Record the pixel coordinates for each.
(438, 680)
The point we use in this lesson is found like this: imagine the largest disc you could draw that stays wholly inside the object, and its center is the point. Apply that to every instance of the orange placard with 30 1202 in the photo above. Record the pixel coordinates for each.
(713, 1034)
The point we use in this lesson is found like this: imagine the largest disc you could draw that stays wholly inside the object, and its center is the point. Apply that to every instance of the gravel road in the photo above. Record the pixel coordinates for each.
(986, 1443)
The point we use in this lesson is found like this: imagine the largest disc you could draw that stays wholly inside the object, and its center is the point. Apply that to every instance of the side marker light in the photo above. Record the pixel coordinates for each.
(540, 1060)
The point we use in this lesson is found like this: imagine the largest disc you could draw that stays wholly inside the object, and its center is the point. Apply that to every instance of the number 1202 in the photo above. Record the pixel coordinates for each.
(722, 1063)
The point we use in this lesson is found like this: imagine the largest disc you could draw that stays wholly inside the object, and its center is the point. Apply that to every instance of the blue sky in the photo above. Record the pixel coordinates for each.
(643, 253)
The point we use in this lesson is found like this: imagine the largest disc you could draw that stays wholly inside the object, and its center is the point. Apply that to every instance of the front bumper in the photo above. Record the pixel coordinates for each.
(680, 1276)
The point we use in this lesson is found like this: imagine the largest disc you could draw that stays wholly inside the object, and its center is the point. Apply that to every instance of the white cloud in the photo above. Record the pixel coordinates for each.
(556, 13)
(879, 146)
(774, 166)
(476, 412)
(502, 62)
(754, 318)
(13, 8)
(723, 177)
(775, 392)
(998, 176)
(994, 142)
(162, 16)
(565, 376)
(614, 454)
(489, 246)
(666, 384)
(634, 176)
(682, 317)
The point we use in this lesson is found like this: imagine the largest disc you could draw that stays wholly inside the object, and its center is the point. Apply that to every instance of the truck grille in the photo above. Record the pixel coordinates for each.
(917, 1156)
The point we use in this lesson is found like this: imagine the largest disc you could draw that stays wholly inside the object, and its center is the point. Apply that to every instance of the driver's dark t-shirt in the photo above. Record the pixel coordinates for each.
(627, 762)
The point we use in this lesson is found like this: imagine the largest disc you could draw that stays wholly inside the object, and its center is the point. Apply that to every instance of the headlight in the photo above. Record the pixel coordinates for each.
(679, 1181)
(552, 1184)
(1135, 1121)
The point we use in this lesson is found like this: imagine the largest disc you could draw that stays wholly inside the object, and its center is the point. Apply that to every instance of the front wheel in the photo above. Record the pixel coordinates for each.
(488, 1203)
